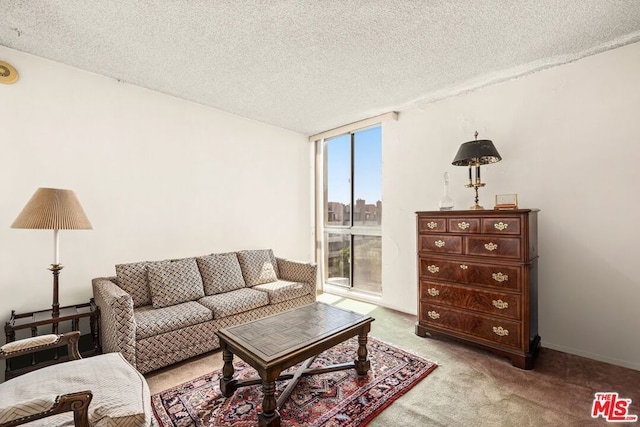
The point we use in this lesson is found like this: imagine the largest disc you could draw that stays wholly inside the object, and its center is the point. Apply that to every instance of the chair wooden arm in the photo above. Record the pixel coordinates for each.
(43, 342)
(76, 402)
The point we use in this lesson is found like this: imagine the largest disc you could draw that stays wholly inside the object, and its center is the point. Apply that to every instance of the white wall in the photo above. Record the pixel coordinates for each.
(569, 137)
(158, 177)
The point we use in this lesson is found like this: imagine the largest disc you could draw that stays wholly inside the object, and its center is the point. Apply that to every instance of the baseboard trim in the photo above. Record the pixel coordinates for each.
(594, 356)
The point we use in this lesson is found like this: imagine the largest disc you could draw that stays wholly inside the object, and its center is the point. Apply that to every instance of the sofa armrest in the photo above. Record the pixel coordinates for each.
(117, 322)
(298, 271)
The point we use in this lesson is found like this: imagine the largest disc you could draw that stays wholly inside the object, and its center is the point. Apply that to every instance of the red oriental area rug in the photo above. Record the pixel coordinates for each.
(336, 398)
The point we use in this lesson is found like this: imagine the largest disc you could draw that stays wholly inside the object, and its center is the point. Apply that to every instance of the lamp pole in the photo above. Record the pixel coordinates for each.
(55, 269)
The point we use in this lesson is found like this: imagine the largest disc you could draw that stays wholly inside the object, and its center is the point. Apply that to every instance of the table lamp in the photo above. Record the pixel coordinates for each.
(476, 153)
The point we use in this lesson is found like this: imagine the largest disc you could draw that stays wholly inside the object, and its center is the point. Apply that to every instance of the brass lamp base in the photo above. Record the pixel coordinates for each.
(55, 307)
(476, 185)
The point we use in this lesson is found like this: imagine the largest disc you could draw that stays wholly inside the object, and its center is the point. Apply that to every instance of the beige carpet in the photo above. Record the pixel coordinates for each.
(471, 387)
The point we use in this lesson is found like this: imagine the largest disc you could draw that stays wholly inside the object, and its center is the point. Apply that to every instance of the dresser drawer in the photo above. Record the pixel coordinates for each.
(489, 246)
(439, 243)
(436, 269)
(464, 225)
(501, 225)
(502, 331)
(477, 274)
(432, 225)
(492, 303)
(494, 276)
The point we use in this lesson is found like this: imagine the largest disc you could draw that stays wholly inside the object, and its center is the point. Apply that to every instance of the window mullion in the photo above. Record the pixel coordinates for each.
(352, 174)
(352, 209)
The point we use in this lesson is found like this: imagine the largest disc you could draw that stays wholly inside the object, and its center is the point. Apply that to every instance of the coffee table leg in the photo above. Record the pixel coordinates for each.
(269, 416)
(362, 364)
(228, 385)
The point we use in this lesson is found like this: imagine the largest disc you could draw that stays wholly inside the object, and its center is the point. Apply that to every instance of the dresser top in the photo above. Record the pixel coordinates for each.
(481, 212)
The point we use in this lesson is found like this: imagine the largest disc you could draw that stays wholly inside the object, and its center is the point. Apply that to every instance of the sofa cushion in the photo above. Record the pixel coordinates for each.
(154, 321)
(258, 266)
(283, 290)
(220, 273)
(234, 302)
(174, 282)
(104, 375)
(132, 278)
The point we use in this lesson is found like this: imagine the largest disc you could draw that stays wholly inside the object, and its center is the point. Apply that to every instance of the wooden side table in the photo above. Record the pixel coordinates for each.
(71, 315)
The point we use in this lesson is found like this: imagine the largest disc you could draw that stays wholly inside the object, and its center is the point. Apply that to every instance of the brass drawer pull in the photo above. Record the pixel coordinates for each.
(500, 226)
(490, 246)
(500, 331)
(435, 315)
(464, 266)
(433, 269)
(433, 292)
(463, 225)
(499, 277)
(439, 243)
(499, 304)
(432, 225)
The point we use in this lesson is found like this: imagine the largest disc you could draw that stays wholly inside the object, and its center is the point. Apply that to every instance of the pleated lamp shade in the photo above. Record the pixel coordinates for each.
(53, 209)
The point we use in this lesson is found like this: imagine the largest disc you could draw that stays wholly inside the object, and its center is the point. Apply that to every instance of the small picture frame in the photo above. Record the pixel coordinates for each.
(506, 201)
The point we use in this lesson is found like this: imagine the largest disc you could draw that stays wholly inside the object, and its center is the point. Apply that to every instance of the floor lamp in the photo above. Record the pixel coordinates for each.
(53, 209)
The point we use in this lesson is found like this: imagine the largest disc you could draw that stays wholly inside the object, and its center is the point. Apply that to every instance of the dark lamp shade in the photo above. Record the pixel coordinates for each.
(53, 209)
(476, 152)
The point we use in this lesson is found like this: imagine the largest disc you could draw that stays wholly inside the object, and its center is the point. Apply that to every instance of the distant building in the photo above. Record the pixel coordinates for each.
(363, 213)
(338, 248)
(367, 214)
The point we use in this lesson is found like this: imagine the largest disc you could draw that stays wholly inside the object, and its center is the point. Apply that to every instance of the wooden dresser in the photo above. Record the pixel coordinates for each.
(477, 280)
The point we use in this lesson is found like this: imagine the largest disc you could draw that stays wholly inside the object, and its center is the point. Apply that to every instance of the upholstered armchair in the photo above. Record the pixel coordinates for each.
(97, 391)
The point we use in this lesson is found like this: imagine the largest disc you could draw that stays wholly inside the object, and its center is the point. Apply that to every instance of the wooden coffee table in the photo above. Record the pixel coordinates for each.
(275, 343)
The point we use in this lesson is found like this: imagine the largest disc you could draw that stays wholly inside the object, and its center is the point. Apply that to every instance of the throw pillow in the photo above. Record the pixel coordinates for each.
(220, 273)
(258, 266)
(132, 278)
(175, 282)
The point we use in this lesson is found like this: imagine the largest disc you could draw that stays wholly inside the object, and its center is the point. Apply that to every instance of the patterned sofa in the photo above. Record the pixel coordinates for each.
(161, 312)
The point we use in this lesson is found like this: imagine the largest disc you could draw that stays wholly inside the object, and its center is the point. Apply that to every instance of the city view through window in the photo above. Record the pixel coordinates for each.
(353, 210)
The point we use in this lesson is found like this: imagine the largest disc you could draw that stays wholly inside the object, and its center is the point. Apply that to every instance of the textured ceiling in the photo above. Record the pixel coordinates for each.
(310, 65)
